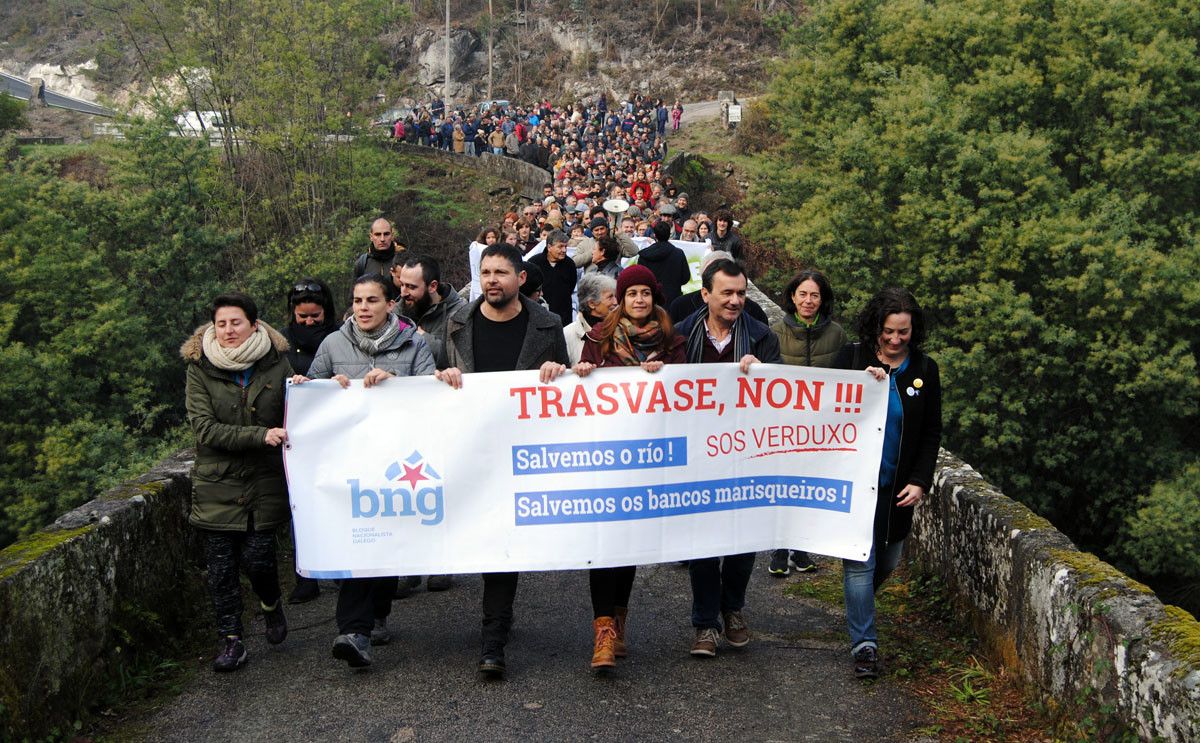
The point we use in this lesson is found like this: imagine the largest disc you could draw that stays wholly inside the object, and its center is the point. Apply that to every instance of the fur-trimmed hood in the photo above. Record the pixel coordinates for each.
(192, 349)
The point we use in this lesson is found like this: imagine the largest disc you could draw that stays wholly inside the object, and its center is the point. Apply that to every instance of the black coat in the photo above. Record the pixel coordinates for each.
(920, 434)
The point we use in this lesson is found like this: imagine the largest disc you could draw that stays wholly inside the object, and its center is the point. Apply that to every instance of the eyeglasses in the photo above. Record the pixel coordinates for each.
(307, 288)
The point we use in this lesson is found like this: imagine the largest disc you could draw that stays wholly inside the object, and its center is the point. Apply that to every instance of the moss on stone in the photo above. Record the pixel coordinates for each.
(21, 553)
(1181, 633)
(1095, 572)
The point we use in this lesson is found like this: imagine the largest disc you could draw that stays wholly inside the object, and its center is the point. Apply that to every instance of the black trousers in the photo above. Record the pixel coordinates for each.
(229, 552)
(610, 588)
(363, 600)
(499, 591)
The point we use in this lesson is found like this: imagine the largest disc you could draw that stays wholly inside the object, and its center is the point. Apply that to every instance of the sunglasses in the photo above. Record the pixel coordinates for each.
(307, 288)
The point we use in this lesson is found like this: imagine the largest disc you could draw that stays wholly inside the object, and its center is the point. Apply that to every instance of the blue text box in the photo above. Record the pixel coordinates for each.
(599, 456)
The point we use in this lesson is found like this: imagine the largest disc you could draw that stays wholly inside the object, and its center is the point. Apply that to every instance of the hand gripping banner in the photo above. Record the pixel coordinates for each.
(623, 467)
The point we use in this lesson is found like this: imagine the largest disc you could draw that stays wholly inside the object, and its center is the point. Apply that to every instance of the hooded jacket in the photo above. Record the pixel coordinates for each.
(802, 345)
(543, 338)
(669, 265)
(236, 474)
(406, 356)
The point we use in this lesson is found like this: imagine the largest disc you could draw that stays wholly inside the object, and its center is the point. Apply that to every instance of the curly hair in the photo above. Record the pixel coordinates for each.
(890, 301)
(818, 278)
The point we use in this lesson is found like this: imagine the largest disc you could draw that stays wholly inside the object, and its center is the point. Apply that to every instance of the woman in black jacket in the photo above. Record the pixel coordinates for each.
(891, 329)
(311, 318)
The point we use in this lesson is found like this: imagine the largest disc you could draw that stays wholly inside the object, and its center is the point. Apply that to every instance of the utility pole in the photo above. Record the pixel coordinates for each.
(446, 85)
(491, 45)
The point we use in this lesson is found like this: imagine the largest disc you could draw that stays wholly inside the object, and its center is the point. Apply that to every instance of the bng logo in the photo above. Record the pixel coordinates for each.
(415, 488)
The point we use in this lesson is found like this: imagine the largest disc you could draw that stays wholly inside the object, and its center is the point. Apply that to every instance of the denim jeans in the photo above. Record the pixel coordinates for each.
(718, 587)
(859, 583)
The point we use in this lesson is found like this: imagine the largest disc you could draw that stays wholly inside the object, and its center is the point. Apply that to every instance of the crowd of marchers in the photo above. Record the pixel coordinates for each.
(556, 287)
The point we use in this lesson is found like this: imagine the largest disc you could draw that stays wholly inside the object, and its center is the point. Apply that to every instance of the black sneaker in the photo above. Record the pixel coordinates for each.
(233, 655)
(866, 663)
(276, 623)
(801, 562)
(405, 586)
(779, 564)
(355, 649)
(439, 582)
(492, 664)
(380, 634)
(306, 590)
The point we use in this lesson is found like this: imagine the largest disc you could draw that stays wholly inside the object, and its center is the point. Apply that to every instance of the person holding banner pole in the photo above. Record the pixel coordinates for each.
(236, 374)
(808, 336)
(637, 333)
(372, 345)
(721, 332)
(891, 329)
(501, 331)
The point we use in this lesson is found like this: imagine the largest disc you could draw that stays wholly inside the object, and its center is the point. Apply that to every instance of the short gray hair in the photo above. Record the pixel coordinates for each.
(591, 287)
(714, 255)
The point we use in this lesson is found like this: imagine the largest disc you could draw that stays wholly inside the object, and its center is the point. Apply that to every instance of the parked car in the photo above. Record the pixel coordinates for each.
(499, 104)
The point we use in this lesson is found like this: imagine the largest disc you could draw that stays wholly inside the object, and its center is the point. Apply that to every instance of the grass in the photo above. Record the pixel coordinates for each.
(936, 658)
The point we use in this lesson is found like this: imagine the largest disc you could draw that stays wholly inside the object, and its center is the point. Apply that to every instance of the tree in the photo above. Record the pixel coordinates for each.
(1029, 169)
(12, 113)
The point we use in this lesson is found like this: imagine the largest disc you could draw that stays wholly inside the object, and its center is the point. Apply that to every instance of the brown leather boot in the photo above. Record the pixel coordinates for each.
(619, 649)
(606, 635)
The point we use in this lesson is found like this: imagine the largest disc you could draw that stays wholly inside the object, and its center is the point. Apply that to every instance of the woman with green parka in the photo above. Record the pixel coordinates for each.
(237, 370)
(808, 336)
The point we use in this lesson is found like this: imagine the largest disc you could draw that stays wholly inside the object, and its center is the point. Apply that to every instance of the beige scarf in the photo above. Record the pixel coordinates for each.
(242, 357)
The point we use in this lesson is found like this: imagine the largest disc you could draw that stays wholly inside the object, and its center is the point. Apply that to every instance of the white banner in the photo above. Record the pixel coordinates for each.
(622, 467)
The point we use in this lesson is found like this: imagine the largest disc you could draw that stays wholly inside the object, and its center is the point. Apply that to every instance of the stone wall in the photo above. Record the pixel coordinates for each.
(77, 595)
(1074, 625)
(527, 179)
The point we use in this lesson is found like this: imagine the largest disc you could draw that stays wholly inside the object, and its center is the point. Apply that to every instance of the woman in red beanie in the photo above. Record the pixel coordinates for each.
(637, 333)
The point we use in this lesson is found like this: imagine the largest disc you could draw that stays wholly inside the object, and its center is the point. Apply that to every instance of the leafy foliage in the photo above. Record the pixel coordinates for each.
(12, 113)
(1029, 169)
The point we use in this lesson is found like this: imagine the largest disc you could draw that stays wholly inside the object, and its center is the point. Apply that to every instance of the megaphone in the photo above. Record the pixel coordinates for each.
(615, 208)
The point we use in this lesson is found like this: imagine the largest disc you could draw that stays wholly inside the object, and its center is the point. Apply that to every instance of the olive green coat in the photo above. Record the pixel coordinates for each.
(805, 346)
(236, 474)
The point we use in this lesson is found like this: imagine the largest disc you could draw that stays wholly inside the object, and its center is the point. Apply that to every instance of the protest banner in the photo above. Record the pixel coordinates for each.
(623, 467)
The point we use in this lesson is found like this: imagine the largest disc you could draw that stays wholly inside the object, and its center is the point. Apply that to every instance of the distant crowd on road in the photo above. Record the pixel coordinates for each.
(534, 306)
(593, 139)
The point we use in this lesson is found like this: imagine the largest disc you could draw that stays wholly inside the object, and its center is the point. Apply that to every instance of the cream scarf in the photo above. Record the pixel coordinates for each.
(242, 357)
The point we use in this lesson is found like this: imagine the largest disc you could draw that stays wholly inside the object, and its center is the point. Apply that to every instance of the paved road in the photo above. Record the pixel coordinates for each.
(21, 89)
(792, 683)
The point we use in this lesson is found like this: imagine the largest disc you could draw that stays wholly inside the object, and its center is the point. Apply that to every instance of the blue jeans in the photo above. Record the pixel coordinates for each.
(718, 587)
(859, 582)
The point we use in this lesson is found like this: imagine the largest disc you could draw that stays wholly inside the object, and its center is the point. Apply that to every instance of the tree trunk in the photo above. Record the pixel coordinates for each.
(491, 47)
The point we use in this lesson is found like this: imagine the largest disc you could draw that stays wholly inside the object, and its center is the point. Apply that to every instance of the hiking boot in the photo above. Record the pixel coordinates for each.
(355, 649)
(779, 564)
(801, 562)
(306, 590)
(603, 656)
(619, 621)
(705, 645)
(233, 655)
(276, 622)
(737, 632)
(439, 582)
(866, 663)
(491, 664)
(380, 634)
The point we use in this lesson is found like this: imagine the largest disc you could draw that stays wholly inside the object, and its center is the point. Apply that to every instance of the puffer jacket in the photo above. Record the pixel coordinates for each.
(406, 356)
(809, 346)
(236, 474)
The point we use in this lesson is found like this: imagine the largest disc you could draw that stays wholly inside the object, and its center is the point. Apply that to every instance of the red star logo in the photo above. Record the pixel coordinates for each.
(412, 475)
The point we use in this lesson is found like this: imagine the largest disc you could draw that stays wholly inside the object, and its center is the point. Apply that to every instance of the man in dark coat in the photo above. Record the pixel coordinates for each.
(721, 332)
(667, 262)
(501, 331)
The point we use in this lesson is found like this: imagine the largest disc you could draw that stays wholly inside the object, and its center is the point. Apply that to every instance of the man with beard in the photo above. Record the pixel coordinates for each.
(426, 300)
(501, 331)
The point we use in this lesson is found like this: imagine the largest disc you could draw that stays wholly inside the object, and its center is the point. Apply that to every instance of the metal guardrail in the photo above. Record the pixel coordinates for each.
(22, 89)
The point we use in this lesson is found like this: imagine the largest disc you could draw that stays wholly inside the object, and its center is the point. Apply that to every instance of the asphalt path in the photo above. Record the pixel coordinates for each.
(792, 683)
